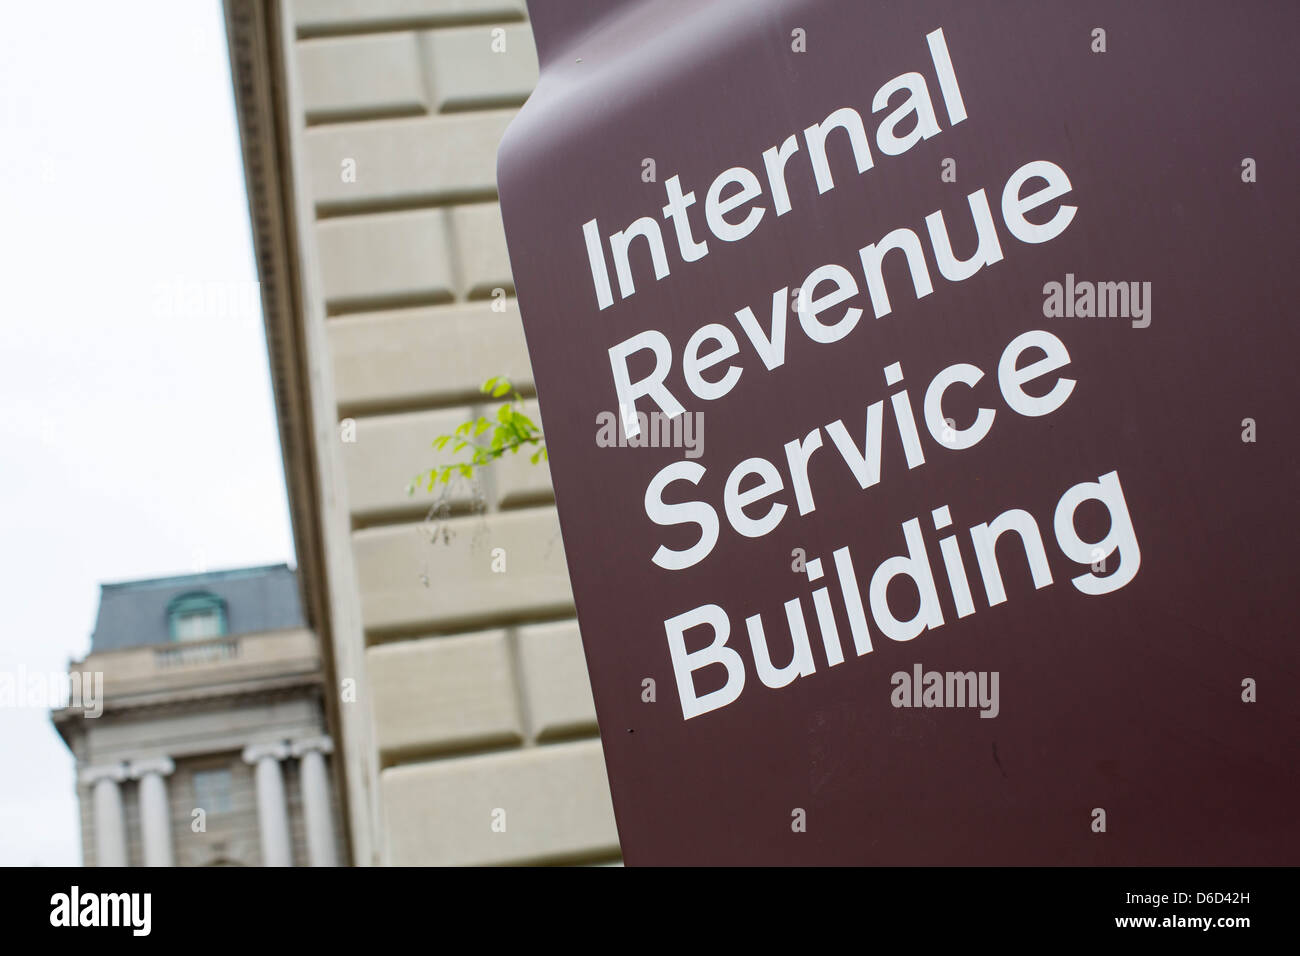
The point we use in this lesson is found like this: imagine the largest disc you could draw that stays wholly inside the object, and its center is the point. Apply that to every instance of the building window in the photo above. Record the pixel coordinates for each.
(212, 791)
(194, 617)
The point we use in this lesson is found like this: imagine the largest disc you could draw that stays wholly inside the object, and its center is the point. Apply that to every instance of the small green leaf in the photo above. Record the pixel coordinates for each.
(501, 389)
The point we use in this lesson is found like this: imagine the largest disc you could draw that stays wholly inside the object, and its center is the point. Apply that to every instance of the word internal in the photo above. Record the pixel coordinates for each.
(717, 207)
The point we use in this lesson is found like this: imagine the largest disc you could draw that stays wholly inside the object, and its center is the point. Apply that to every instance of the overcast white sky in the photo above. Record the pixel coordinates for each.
(137, 438)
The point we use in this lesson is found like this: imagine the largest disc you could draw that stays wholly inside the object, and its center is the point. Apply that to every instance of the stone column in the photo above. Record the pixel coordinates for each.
(272, 809)
(316, 809)
(155, 811)
(110, 823)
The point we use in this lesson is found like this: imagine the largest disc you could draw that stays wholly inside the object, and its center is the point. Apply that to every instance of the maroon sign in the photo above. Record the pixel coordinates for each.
(903, 526)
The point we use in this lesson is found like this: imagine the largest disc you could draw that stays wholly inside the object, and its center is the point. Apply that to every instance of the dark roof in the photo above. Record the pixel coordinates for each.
(256, 599)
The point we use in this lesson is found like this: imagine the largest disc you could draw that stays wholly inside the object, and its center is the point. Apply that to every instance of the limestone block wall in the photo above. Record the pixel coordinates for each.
(472, 689)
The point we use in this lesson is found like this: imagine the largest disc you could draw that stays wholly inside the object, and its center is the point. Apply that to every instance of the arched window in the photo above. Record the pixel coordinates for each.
(195, 616)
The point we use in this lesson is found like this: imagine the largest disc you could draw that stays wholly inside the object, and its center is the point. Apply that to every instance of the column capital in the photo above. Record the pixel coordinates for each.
(322, 744)
(255, 752)
(272, 808)
(116, 772)
(160, 765)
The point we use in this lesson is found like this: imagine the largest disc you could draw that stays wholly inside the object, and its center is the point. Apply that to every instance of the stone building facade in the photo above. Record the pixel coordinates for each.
(208, 743)
(369, 132)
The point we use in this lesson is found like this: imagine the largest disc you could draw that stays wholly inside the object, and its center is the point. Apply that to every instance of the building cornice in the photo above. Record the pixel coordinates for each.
(252, 28)
(255, 36)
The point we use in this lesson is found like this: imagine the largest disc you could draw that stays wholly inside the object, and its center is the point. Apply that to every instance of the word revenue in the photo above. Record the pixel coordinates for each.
(914, 564)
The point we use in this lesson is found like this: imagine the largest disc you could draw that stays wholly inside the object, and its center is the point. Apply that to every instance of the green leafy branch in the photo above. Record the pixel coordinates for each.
(511, 431)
